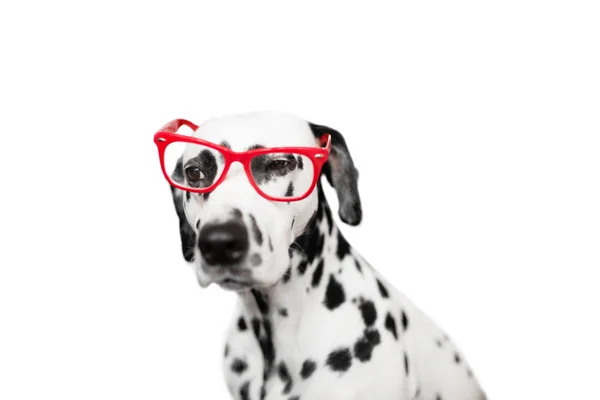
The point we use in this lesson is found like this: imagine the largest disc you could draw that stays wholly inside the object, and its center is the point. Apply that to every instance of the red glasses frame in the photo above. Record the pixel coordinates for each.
(168, 134)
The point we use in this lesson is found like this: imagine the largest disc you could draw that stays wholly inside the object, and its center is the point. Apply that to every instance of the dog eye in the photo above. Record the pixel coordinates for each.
(193, 174)
(277, 165)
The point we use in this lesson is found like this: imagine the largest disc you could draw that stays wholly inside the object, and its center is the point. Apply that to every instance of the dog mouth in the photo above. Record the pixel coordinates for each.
(233, 284)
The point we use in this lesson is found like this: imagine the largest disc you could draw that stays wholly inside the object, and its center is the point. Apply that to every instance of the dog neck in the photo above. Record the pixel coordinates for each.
(315, 258)
(312, 281)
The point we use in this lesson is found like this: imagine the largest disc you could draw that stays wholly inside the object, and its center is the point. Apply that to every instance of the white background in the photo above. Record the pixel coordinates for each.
(475, 127)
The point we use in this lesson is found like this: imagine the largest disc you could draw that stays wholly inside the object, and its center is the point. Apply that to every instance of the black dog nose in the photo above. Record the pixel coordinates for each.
(223, 244)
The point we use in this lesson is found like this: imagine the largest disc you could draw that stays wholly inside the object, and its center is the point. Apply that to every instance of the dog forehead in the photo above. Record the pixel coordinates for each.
(267, 129)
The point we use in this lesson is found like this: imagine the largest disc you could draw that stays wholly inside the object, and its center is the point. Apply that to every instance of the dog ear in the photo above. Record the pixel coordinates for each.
(341, 174)
(188, 236)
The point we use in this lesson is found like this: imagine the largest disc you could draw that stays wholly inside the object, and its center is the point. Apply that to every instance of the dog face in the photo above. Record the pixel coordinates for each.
(234, 236)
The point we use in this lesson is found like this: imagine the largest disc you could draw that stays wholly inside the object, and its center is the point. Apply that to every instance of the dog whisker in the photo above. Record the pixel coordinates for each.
(189, 252)
(299, 248)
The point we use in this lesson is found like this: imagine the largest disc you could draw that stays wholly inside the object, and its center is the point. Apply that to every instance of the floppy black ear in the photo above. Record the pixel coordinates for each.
(341, 174)
(188, 236)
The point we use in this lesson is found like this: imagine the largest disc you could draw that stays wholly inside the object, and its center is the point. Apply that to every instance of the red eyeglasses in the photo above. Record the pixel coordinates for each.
(277, 173)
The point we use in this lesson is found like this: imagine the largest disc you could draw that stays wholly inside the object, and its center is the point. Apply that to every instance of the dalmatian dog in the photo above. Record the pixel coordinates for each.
(314, 320)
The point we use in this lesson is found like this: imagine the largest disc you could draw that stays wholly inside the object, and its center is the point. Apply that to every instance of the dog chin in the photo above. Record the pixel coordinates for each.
(227, 282)
(237, 282)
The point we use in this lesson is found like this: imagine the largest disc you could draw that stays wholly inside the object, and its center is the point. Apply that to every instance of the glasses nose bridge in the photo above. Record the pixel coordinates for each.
(241, 158)
(236, 158)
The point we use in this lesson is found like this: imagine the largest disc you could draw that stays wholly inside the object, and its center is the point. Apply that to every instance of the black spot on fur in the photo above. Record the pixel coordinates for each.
(343, 247)
(187, 196)
(308, 240)
(283, 312)
(226, 350)
(261, 301)
(318, 273)
(456, 358)
(404, 321)
(368, 312)
(263, 392)
(390, 325)
(255, 260)
(294, 398)
(256, 327)
(244, 389)
(320, 244)
(358, 267)
(239, 366)
(267, 348)
(300, 162)
(302, 267)
(329, 218)
(406, 363)
(438, 342)
(308, 367)
(340, 359)
(242, 324)
(319, 212)
(289, 191)
(225, 143)
(438, 397)
(198, 224)
(334, 294)
(177, 175)
(270, 244)
(257, 232)
(205, 196)
(363, 348)
(187, 234)
(382, 290)
(236, 213)
(287, 275)
(285, 377)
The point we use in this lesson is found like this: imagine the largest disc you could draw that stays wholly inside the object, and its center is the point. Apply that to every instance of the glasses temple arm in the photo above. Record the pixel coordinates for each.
(174, 125)
(326, 141)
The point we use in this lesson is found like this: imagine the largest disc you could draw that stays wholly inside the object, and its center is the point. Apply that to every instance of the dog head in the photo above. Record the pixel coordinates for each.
(235, 236)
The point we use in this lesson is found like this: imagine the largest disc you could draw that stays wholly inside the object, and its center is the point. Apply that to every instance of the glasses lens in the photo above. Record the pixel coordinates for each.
(282, 175)
(201, 166)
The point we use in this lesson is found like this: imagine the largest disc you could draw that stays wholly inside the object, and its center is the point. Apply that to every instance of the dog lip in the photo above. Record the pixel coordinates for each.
(229, 280)
(233, 284)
